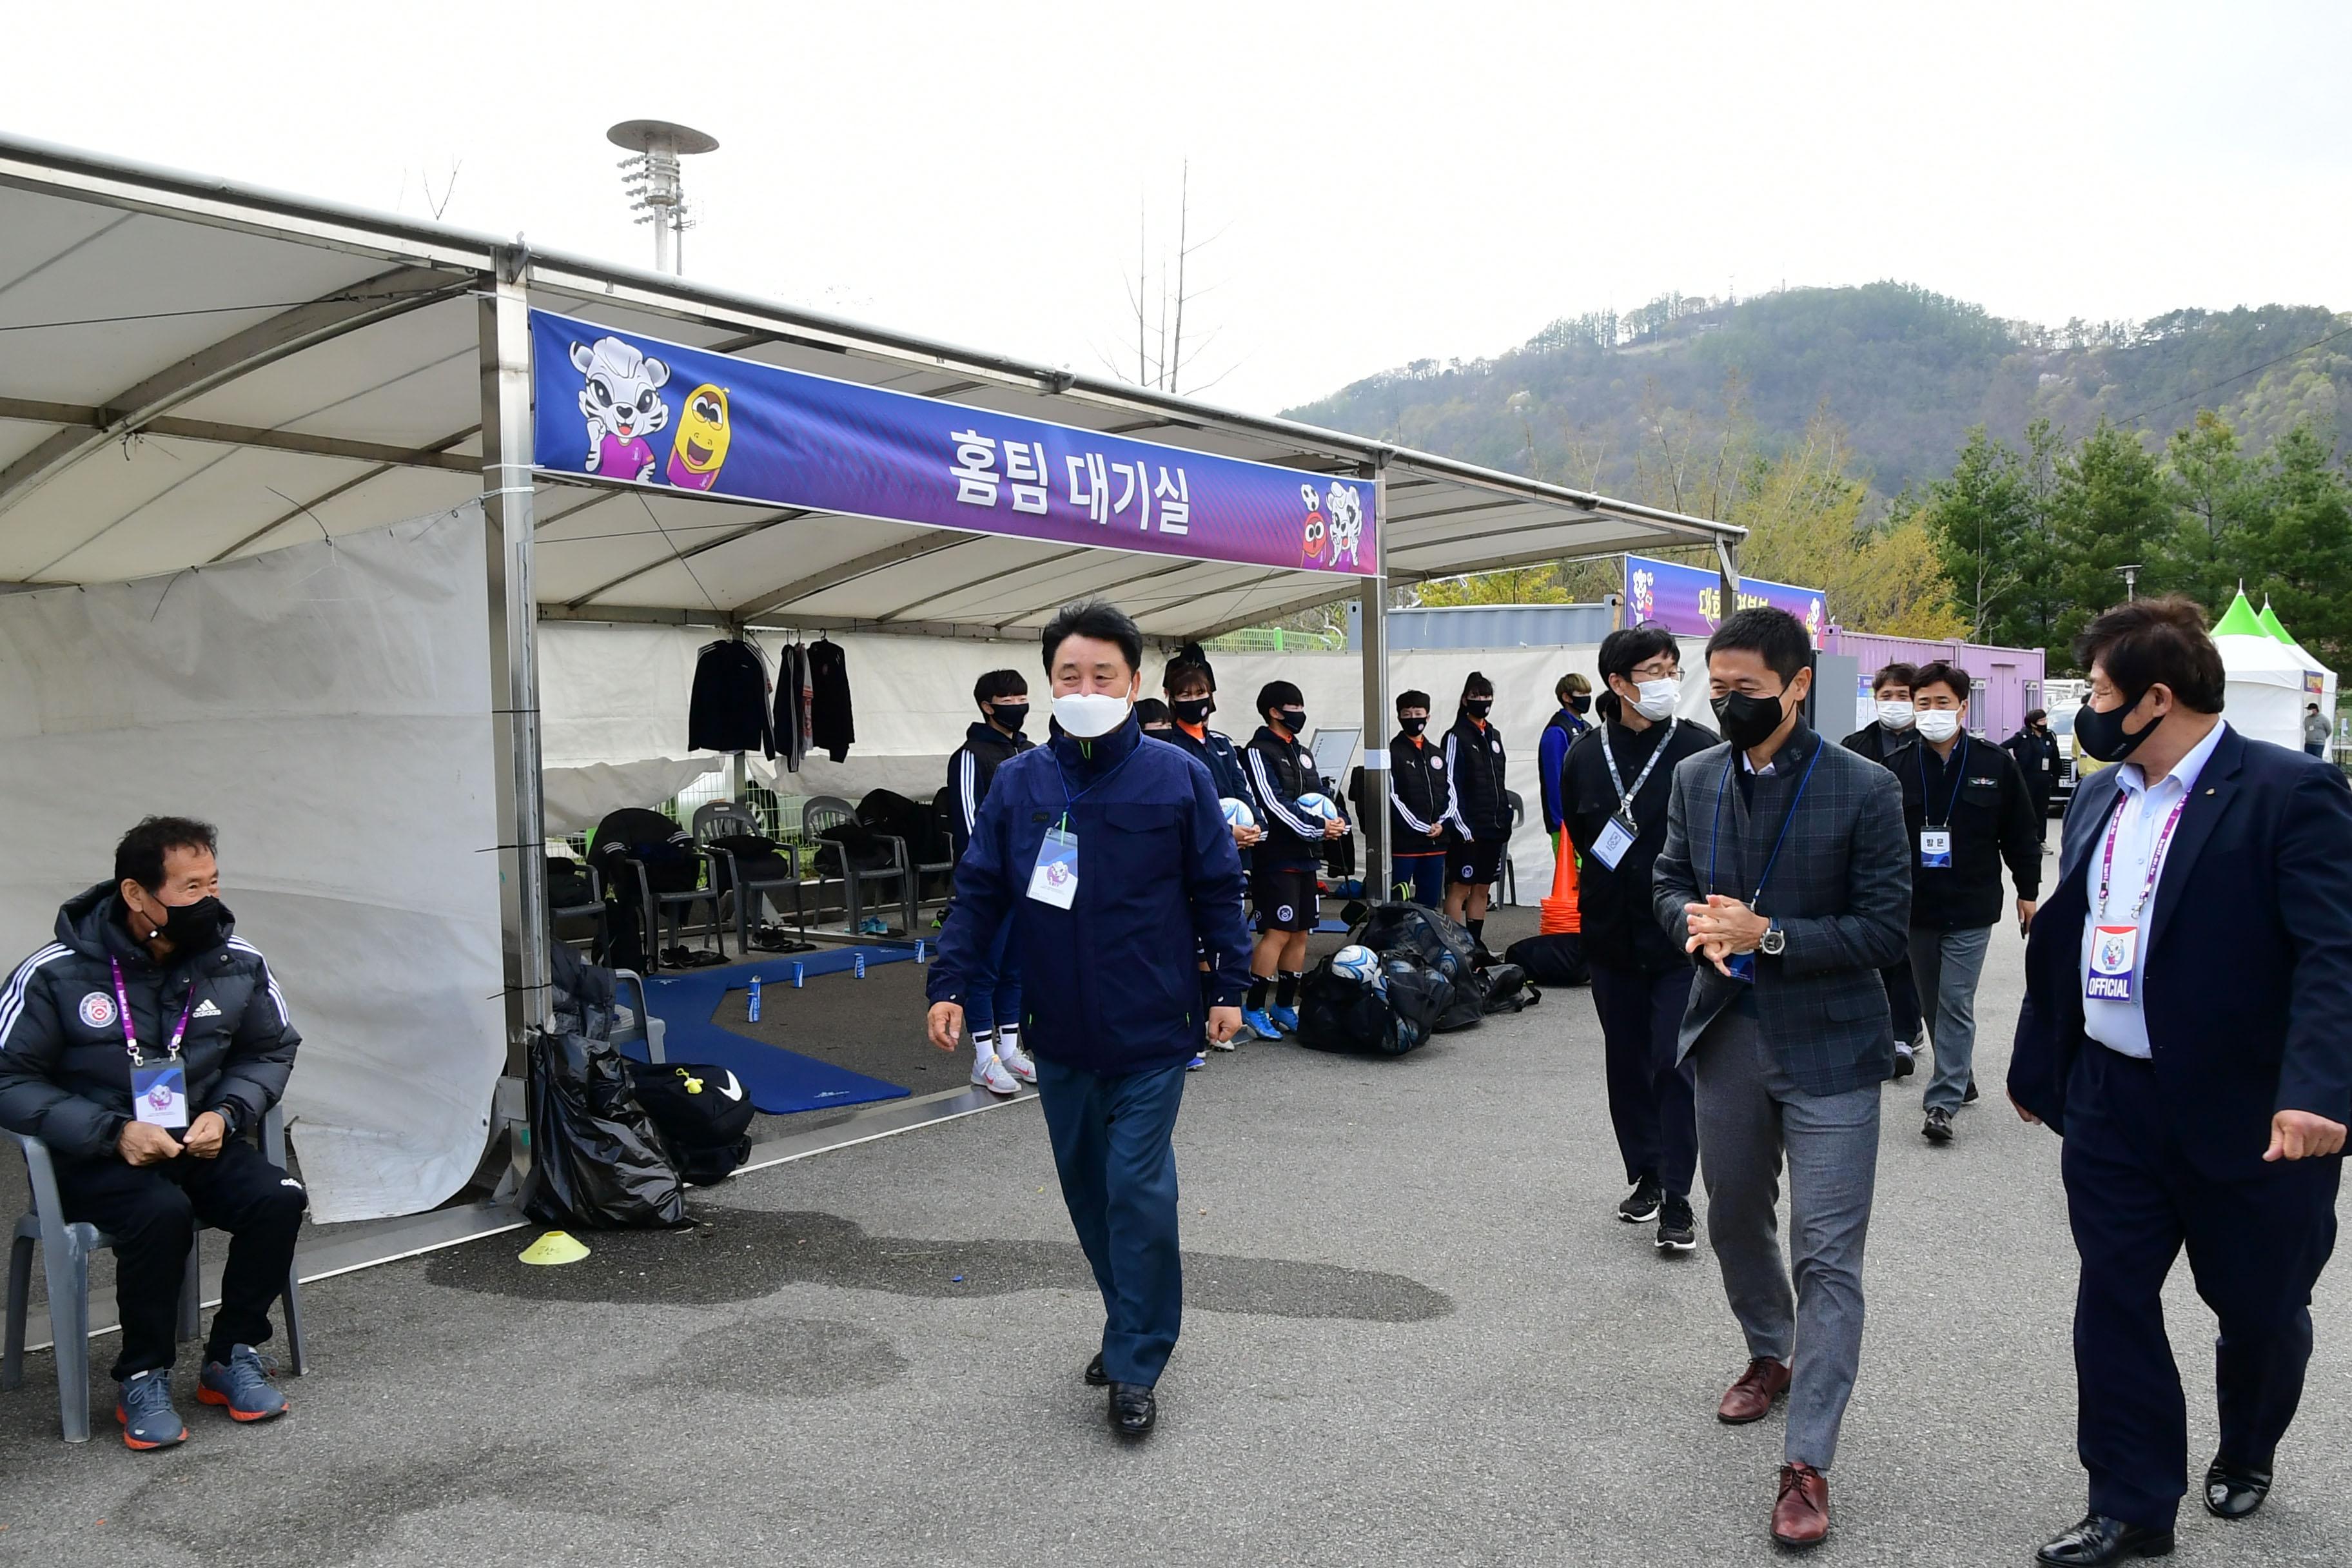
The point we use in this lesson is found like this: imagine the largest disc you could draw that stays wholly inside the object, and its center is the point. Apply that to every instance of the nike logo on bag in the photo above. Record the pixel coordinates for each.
(731, 1089)
(204, 1009)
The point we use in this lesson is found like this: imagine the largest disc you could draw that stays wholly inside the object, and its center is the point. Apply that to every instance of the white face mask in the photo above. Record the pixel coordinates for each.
(1938, 724)
(1658, 698)
(1089, 714)
(1896, 715)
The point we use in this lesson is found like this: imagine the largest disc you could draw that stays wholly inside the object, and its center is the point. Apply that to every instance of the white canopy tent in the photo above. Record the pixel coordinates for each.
(192, 373)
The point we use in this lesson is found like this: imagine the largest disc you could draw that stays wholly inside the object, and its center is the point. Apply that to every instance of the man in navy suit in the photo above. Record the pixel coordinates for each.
(2189, 988)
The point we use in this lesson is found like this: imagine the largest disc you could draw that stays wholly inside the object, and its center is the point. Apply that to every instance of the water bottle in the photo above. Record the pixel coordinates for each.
(755, 999)
(800, 975)
(861, 966)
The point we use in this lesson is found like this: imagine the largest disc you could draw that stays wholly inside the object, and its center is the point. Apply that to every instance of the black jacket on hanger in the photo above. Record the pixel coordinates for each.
(729, 710)
(831, 728)
(791, 675)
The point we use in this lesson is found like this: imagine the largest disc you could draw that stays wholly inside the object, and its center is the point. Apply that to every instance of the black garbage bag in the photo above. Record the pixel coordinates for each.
(595, 1160)
(1508, 990)
(703, 1115)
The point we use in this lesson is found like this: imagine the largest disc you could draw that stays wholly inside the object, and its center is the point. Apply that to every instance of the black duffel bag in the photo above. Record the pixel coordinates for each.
(702, 1114)
(1423, 933)
(1337, 1014)
(1554, 959)
(596, 1159)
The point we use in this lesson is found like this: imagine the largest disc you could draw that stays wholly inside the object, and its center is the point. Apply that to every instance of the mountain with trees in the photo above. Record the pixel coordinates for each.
(1939, 471)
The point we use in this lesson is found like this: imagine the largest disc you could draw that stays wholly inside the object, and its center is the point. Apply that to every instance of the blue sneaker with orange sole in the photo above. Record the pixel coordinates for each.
(144, 1408)
(241, 1385)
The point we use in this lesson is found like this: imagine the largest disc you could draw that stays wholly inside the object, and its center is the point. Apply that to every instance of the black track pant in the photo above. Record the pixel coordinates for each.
(152, 1211)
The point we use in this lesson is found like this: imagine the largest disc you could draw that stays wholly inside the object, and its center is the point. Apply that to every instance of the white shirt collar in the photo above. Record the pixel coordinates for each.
(2131, 776)
(1764, 771)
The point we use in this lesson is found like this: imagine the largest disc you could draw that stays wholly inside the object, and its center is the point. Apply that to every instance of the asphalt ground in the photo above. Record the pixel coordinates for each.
(1417, 1334)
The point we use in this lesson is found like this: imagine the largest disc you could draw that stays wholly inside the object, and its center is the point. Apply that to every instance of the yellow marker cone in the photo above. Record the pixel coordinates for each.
(555, 1246)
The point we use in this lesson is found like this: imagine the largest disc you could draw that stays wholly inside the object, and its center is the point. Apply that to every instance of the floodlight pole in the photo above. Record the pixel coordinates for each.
(2131, 581)
(1374, 622)
(509, 518)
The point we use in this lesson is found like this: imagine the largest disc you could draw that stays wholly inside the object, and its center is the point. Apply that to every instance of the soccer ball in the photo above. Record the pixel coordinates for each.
(1360, 964)
(1238, 812)
(1319, 806)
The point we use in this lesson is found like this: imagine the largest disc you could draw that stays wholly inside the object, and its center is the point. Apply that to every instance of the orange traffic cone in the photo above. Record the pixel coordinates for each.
(1561, 911)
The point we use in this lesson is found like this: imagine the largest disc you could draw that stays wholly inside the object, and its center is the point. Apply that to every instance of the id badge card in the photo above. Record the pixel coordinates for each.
(1615, 840)
(1935, 847)
(159, 1094)
(2115, 950)
(1055, 878)
(1742, 967)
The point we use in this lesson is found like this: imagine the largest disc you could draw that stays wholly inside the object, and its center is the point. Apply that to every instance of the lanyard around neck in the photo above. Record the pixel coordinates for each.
(2155, 854)
(1715, 842)
(1960, 774)
(1626, 796)
(130, 1031)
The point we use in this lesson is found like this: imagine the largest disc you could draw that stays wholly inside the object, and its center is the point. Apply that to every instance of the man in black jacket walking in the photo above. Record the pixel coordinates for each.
(2035, 750)
(1482, 811)
(1891, 688)
(1968, 810)
(992, 1012)
(1614, 786)
(140, 1047)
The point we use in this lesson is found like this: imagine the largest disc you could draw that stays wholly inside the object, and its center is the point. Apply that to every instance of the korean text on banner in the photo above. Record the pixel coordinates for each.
(1689, 599)
(637, 411)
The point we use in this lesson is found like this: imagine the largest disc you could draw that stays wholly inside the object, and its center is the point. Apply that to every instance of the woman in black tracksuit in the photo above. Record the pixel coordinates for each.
(1480, 812)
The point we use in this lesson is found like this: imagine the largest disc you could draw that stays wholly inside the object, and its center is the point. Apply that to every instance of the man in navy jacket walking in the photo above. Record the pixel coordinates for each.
(2186, 987)
(1096, 846)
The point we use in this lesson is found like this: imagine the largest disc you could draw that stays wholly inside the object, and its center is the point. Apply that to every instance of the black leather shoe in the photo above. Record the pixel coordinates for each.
(1939, 1129)
(1970, 1097)
(1096, 1376)
(2099, 1539)
(2233, 1492)
(1134, 1410)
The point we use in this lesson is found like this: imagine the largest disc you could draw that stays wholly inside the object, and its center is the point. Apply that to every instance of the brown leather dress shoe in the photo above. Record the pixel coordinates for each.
(1802, 1517)
(1750, 1399)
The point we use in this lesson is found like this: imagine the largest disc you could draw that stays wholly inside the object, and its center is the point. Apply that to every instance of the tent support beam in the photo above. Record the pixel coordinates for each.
(83, 417)
(1374, 820)
(508, 507)
(264, 342)
(923, 544)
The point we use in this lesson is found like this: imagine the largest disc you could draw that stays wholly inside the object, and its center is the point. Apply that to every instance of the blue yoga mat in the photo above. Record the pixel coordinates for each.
(778, 1081)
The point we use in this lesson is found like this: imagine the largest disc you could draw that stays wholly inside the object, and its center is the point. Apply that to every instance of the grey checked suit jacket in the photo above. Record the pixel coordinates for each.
(1841, 891)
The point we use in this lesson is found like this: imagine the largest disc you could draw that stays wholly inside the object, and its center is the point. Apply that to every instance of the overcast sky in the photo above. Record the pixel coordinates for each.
(1386, 181)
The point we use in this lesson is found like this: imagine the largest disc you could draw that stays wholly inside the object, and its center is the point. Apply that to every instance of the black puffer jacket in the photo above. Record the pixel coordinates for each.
(65, 1073)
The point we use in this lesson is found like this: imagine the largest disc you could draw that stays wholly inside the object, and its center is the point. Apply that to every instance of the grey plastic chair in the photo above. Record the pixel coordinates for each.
(722, 820)
(593, 911)
(66, 1252)
(823, 811)
(645, 1027)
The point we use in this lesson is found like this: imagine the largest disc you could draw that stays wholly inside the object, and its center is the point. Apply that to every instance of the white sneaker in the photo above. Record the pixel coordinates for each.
(1215, 1044)
(994, 1079)
(1014, 1062)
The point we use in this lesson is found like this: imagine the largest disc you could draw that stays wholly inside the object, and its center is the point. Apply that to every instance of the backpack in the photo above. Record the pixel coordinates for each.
(1556, 959)
(1508, 990)
(703, 1115)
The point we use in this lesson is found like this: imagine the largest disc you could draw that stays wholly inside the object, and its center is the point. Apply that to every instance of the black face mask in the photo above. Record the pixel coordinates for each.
(1293, 720)
(196, 929)
(1580, 704)
(1477, 706)
(2104, 735)
(1414, 726)
(1013, 715)
(1749, 722)
(1193, 709)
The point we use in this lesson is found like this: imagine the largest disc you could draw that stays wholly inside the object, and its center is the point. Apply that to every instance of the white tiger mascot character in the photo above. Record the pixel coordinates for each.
(622, 402)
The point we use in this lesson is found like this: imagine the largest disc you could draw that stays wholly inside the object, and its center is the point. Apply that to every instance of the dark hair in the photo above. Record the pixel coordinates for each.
(999, 683)
(2036, 715)
(1150, 711)
(2149, 640)
(1183, 672)
(1622, 652)
(1776, 637)
(1412, 699)
(2313, 706)
(139, 857)
(1099, 619)
(1570, 685)
(1476, 684)
(1906, 676)
(1191, 652)
(1942, 672)
(1278, 694)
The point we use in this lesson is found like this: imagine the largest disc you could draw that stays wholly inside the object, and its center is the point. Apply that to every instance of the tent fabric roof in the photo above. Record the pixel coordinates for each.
(196, 371)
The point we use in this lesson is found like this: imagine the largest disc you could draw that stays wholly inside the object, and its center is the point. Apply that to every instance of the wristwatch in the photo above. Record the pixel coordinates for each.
(1774, 942)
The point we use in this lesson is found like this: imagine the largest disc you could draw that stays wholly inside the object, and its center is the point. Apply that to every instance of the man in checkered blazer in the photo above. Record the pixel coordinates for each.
(1786, 875)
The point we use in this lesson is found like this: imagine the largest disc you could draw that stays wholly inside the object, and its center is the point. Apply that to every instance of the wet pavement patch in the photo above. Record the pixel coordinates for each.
(799, 1357)
(741, 1255)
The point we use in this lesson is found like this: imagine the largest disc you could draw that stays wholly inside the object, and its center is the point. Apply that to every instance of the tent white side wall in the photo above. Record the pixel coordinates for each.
(2263, 695)
(325, 705)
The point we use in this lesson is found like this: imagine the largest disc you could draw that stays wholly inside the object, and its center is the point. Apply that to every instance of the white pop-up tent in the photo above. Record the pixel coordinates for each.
(304, 438)
(2265, 688)
(2318, 680)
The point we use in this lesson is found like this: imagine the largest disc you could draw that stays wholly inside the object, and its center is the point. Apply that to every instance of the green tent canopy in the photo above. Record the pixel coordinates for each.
(2269, 623)
(2241, 621)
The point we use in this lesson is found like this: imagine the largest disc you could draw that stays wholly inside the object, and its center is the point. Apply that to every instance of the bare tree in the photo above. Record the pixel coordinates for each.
(1158, 300)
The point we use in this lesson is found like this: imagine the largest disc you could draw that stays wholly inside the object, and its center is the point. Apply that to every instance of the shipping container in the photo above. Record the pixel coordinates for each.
(2005, 681)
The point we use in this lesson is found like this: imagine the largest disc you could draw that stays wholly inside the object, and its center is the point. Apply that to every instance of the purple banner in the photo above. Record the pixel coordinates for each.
(1689, 599)
(637, 411)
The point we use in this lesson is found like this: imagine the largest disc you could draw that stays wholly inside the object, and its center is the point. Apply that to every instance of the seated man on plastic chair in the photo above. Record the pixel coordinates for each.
(140, 1047)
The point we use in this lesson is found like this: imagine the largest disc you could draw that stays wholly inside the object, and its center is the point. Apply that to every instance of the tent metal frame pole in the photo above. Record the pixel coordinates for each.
(509, 512)
(1374, 621)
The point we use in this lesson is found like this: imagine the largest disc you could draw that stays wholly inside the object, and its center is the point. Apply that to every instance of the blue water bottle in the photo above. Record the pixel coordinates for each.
(861, 966)
(755, 999)
(800, 975)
